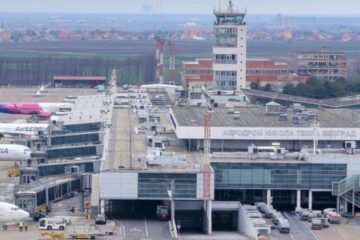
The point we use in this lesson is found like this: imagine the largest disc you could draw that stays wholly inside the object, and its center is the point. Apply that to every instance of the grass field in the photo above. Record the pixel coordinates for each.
(184, 49)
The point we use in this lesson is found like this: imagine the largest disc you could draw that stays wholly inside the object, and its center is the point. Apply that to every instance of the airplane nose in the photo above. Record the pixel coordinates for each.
(24, 214)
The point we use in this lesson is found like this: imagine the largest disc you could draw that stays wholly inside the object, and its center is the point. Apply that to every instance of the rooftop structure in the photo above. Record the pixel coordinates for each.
(264, 96)
(78, 81)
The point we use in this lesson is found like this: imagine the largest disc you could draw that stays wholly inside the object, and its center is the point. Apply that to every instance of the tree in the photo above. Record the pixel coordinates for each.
(255, 85)
(268, 88)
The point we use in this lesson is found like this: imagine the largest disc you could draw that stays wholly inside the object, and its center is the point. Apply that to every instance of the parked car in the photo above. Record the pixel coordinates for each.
(304, 214)
(100, 219)
(284, 226)
(316, 224)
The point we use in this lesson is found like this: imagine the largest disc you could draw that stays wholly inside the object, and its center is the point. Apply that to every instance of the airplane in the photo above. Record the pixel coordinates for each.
(42, 89)
(11, 214)
(21, 128)
(13, 152)
(40, 110)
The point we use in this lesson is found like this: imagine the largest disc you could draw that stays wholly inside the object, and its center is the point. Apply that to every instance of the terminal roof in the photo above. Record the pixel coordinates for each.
(254, 116)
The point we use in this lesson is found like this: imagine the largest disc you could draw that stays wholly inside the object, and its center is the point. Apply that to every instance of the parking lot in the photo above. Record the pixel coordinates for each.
(349, 229)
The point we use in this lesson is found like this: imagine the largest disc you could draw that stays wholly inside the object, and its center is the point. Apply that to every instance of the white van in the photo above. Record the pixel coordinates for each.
(52, 224)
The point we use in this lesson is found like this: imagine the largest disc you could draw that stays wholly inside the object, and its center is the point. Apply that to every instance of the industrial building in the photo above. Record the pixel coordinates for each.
(324, 64)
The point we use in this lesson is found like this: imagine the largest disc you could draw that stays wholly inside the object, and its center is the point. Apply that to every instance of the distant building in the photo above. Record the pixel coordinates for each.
(323, 64)
(197, 74)
(78, 81)
(229, 51)
(266, 71)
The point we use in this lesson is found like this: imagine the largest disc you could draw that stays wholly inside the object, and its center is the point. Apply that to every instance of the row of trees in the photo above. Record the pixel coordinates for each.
(323, 89)
(30, 71)
(316, 88)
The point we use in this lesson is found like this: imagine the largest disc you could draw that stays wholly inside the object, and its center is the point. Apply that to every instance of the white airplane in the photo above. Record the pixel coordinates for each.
(11, 214)
(42, 89)
(13, 152)
(22, 128)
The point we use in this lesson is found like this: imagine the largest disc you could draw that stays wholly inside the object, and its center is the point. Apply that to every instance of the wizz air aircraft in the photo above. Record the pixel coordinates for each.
(13, 152)
(40, 110)
(11, 214)
(22, 128)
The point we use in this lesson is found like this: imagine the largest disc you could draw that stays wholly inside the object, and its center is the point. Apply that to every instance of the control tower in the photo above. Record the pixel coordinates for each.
(229, 50)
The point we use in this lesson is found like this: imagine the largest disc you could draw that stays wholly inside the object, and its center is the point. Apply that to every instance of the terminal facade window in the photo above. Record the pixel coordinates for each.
(225, 58)
(71, 139)
(71, 152)
(155, 185)
(87, 127)
(277, 175)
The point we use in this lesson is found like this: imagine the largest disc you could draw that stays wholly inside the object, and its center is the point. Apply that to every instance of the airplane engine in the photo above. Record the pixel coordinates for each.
(44, 115)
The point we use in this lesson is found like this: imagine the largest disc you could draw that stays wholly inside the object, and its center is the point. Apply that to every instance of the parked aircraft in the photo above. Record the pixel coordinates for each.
(11, 214)
(13, 152)
(40, 110)
(21, 128)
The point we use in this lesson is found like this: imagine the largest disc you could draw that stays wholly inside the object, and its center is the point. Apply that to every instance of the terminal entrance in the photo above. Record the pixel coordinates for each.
(133, 209)
(322, 200)
(225, 221)
(284, 200)
(190, 221)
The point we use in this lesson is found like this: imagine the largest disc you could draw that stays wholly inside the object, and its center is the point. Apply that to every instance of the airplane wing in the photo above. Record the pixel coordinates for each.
(48, 85)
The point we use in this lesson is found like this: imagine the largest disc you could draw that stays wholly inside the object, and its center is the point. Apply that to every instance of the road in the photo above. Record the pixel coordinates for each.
(142, 229)
(298, 229)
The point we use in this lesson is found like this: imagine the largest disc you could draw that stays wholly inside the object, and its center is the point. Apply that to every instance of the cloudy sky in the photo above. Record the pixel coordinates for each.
(324, 7)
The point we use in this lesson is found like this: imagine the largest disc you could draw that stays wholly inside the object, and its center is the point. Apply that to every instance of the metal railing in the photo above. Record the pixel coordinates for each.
(355, 199)
(347, 185)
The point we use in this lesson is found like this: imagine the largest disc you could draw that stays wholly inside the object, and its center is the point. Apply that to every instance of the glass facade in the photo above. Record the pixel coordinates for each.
(230, 19)
(225, 37)
(51, 170)
(155, 185)
(277, 175)
(71, 152)
(57, 192)
(84, 138)
(83, 127)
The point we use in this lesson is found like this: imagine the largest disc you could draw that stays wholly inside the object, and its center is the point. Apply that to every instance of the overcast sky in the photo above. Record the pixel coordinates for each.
(324, 7)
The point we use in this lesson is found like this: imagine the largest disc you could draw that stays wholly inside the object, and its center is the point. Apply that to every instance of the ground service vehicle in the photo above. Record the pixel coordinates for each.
(324, 222)
(14, 172)
(162, 212)
(92, 231)
(333, 217)
(52, 224)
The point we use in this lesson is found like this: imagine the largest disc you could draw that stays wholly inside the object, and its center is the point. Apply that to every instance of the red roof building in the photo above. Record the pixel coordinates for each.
(197, 74)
